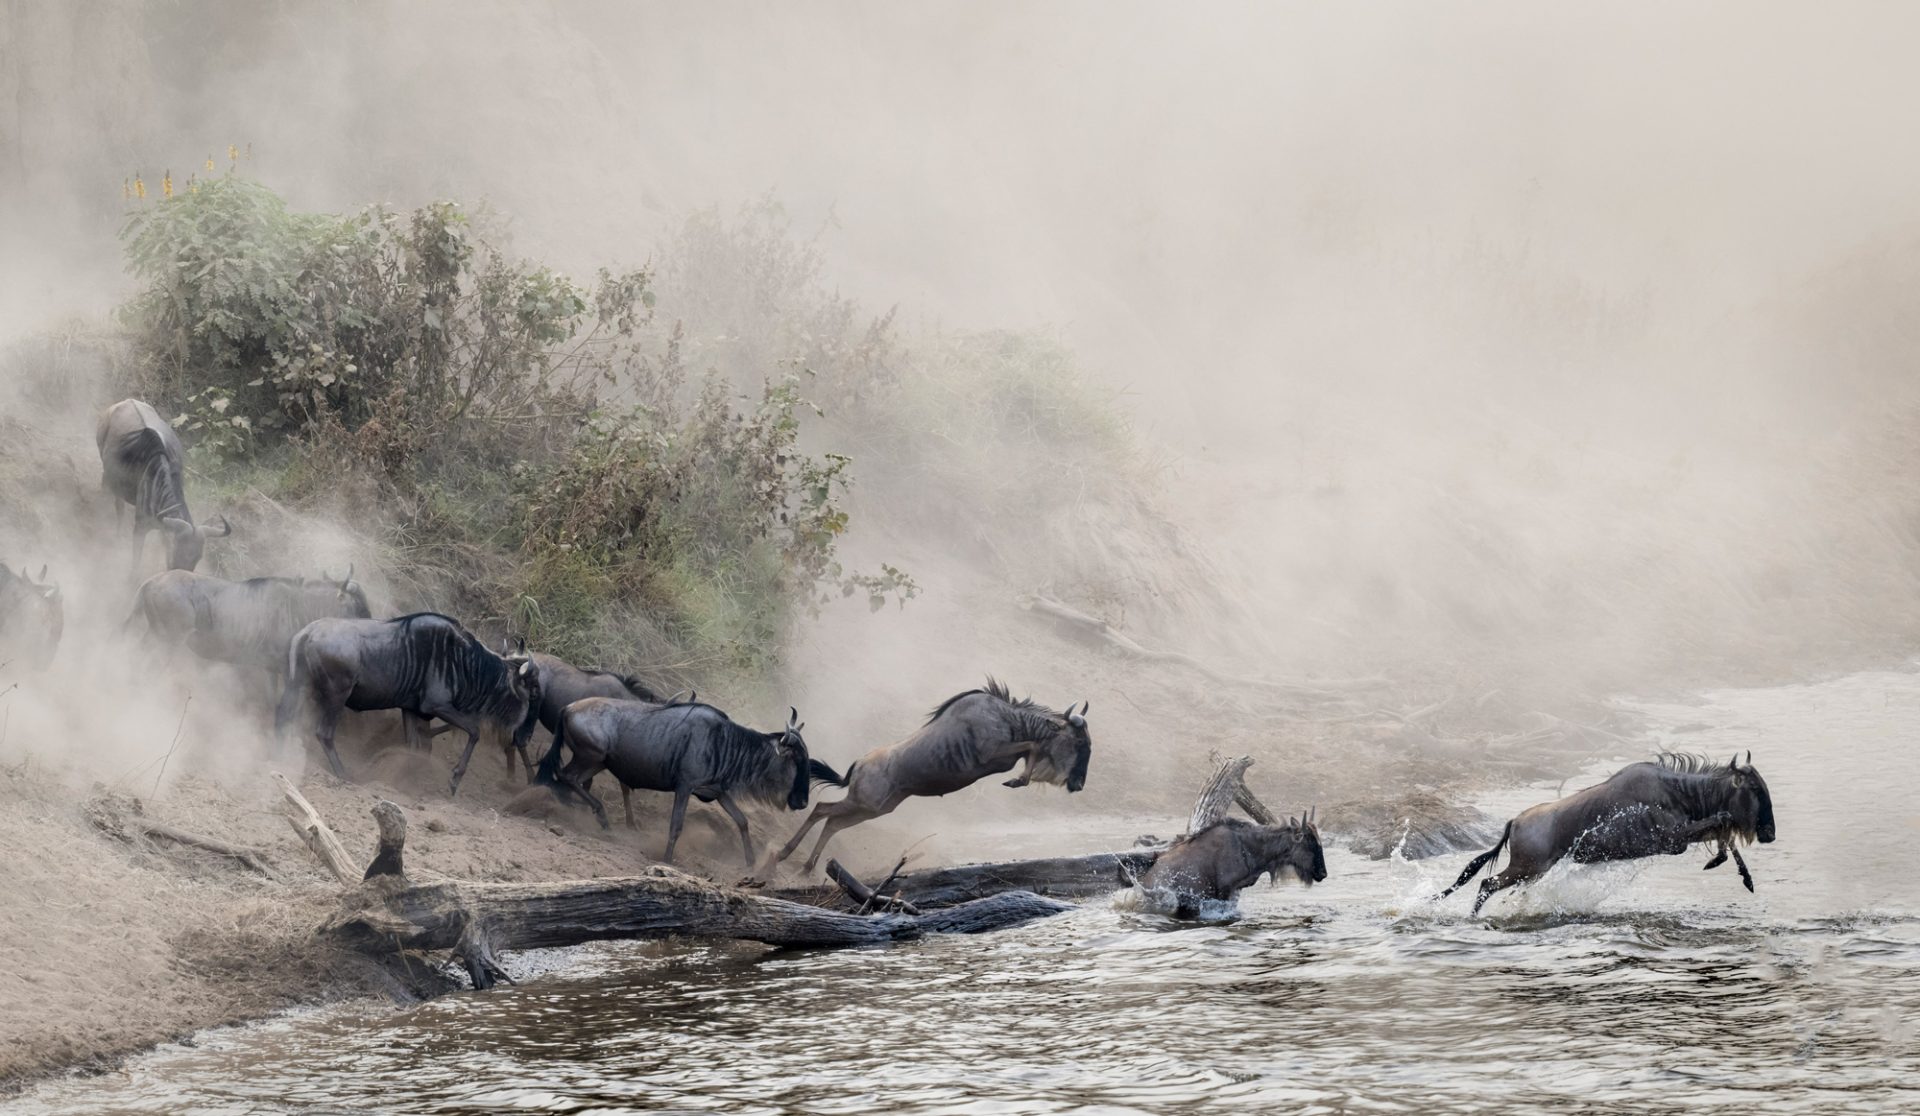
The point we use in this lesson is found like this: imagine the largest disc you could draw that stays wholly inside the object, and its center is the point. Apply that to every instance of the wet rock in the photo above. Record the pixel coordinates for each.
(1432, 826)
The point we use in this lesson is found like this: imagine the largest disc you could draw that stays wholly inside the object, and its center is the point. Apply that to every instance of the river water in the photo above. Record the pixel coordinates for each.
(1613, 989)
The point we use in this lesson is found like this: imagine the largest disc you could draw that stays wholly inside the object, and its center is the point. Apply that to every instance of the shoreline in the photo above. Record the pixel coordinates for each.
(207, 945)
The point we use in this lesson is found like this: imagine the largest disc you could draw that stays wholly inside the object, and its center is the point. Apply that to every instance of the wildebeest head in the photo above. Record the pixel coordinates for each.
(1303, 857)
(1062, 755)
(1748, 801)
(186, 542)
(351, 596)
(793, 750)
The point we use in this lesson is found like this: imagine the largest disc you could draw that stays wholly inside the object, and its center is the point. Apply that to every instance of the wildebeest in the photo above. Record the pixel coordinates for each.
(247, 623)
(689, 749)
(970, 736)
(425, 665)
(32, 616)
(1645, 809)
(142, 464)
(562, 684)
(1231, 854)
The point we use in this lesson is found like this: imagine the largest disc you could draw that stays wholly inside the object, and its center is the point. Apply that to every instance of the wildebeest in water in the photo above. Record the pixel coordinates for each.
(970, 736)
(32, 617)
(1231, 854)
(247, 623)
(1645, 809)
(425, 665)
(143, 465)
(689, 749)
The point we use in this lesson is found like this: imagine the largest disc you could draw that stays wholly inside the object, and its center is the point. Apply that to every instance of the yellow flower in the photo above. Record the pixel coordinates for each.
(233, 153)
(126, 190)
(166, 185)
(209, 162)
(139, 187)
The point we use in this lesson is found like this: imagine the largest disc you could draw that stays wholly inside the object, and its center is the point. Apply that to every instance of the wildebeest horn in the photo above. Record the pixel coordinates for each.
(176, 525)
(793, 719)
(1749, 762)
(225, 530)
(520, 644)
(43, 577)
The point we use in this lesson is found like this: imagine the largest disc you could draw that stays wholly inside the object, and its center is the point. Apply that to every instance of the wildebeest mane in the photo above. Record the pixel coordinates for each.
(742, 757)
(1690, 763)
(995, 689)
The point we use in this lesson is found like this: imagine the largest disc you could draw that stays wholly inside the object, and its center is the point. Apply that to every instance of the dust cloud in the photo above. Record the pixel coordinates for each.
(1521, 347)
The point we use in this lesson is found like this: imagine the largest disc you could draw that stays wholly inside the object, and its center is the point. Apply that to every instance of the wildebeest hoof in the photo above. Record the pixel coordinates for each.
(1020, 782)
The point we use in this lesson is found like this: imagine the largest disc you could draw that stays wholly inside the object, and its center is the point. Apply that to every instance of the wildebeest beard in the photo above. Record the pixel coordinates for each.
(783, 780)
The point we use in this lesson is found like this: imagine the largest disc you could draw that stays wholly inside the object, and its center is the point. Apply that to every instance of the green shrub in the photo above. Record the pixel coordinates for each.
(402, 361)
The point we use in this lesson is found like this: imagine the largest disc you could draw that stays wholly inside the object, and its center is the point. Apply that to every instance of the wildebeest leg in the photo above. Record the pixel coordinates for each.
(1746, 877)
(1719, 858)
(820, 811)
(679, 819)
(330, 720)
(626, 803)
(413, 727)
(466, 755)
(835, 824)
(1026, 773)
(739, 819)
(1491, 886)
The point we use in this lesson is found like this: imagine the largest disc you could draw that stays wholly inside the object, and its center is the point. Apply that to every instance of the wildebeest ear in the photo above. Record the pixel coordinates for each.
(527, 669)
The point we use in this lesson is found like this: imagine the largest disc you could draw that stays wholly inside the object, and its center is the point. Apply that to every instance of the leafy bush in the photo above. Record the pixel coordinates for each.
(490, 405)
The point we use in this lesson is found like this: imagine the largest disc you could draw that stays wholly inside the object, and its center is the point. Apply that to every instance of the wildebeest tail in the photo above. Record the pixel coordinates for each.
(821, 773)
(1479, 862)
(549, 770)
(283, 713)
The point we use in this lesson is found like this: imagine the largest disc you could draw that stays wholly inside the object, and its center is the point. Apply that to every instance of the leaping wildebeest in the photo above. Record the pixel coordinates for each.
(142, 464)
(970, 736)
(247, 623)
(32, 616)
(425, 665)
(1231, 854)
(1645, 809)
(689, 749)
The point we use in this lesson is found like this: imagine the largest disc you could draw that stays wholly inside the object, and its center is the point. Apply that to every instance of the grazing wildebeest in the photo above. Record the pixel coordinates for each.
(32, 616)
(425, 665)
(1645, 809)
(1231, 854)
(970, 736)
(689, 749)
(142, 464)
(247, 623)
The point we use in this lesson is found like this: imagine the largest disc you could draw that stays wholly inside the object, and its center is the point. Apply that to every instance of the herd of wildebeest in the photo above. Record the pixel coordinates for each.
(318, 644)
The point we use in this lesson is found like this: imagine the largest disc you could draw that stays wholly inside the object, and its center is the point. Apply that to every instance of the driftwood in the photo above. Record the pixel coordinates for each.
(393, 840)
(1066, 877)
(306, 821)
(866, 896)
(122, 817)
(475, 920)
(1091, 626)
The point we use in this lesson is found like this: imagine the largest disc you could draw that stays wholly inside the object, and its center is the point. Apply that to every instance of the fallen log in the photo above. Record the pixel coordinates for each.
(306, 821)
(866, 896)
(1243, 797)
(476, 920)
(393, 840)
(1059, 877)
(1217, 797)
